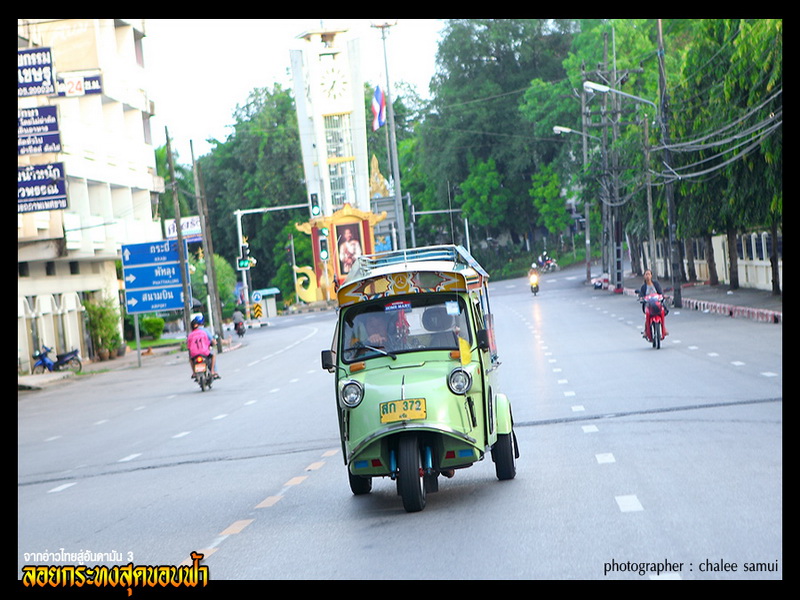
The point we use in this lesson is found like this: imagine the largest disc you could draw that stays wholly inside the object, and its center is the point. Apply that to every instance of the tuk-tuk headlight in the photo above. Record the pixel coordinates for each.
(352, 394)
(459, 381)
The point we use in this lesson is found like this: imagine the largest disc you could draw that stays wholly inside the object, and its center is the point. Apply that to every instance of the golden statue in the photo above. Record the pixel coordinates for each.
(377, 184)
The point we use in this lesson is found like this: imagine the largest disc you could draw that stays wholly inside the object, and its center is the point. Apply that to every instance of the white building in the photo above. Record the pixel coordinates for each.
(103, 159)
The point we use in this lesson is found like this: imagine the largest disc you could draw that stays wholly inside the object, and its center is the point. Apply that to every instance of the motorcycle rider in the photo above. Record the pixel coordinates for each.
(238, 318)
(200, 343)
(651, 286)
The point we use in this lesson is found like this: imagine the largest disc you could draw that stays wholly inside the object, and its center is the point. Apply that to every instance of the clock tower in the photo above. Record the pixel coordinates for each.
(329, 94)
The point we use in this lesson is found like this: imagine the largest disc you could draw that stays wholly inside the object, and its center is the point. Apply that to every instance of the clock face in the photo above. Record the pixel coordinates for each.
(333, 83)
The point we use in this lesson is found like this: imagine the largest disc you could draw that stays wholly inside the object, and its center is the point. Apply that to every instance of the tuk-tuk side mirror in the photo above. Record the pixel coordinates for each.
(329, 360)
(483, 339)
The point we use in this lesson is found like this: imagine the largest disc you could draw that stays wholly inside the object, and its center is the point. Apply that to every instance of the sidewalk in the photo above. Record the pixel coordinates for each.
(129, 361)
(745, 303)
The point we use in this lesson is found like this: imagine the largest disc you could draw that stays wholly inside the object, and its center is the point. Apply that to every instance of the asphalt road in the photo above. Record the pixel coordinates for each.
(631, 457)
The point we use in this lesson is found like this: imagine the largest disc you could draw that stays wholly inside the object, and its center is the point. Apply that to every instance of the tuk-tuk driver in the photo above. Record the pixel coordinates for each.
(376, 325)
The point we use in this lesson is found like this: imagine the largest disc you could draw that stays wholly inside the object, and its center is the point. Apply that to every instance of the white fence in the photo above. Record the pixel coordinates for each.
(754, 267)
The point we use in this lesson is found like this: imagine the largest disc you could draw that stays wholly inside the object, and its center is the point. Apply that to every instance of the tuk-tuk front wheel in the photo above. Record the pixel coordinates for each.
(504, 456)
(410, 482)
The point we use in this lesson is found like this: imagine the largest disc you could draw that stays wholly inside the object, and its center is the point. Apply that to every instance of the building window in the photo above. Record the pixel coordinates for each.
(342, 177)
(74, 267)
(148, 138)
(50, 268)
(137, 44)
(341, 161)
(759, 246)
(768, 244)
(23, 269)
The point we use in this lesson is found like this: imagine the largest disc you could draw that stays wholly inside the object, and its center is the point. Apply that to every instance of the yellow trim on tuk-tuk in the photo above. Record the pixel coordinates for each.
(419, 270)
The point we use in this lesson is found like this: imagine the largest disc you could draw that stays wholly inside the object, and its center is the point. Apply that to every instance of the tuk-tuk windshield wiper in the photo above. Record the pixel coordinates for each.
(380, 350)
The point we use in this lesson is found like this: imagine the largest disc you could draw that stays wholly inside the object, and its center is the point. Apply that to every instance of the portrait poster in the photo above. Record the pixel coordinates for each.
(349, 245)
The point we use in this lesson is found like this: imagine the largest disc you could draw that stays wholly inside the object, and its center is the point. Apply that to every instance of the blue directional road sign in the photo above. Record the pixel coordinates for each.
(150, 253)
(147, 276)
(152, 277)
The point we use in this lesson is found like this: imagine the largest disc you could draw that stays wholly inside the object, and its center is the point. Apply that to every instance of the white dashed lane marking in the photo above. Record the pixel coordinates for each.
(628, 503)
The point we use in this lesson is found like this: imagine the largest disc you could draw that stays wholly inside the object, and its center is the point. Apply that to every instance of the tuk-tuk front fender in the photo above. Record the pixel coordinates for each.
(403, 427)
(505, 422)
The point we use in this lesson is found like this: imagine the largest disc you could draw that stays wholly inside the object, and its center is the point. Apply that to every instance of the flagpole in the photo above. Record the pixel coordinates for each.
(393, 143)
(379, 120)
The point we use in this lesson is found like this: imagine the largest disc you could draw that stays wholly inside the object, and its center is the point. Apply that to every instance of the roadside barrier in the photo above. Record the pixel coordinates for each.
(730, 310)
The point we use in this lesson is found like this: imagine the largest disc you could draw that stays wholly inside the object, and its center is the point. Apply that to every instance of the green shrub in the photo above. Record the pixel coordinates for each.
(103, 322)
(153, 326)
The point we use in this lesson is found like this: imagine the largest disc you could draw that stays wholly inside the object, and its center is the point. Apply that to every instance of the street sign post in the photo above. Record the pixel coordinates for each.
(152, 276)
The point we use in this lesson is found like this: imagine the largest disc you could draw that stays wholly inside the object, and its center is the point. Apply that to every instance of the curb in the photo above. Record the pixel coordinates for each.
(731, 310)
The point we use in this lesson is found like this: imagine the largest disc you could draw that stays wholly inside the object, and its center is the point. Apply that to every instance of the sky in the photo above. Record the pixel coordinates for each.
(198, 70)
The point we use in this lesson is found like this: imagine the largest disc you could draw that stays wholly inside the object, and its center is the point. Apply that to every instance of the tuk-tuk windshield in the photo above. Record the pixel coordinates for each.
(404, 324)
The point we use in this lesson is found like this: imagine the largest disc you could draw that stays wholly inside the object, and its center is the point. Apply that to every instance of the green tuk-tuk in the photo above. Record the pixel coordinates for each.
(414, 360)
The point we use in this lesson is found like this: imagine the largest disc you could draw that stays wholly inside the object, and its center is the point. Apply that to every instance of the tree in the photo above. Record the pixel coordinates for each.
(185, 180)
(483, 68)
(546, 193)
(730, 160)
(258, 166)
(226, 281)
(484, 199)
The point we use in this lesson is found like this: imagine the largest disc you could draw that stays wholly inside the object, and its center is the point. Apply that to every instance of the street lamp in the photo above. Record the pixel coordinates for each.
(558, 130)
(591, 87)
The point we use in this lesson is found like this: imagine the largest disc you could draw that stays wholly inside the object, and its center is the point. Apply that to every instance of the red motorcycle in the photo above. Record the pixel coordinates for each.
(202, 372)
(655, 309)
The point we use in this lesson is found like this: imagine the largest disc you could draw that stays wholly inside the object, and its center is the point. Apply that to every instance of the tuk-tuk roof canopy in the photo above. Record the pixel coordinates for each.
(376, 275)
(455, 259)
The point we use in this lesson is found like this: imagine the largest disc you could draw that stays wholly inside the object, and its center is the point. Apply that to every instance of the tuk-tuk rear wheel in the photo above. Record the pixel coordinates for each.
(359, 485)
(410, 482)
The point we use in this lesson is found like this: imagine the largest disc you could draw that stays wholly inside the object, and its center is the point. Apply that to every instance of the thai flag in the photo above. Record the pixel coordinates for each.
(378, 109)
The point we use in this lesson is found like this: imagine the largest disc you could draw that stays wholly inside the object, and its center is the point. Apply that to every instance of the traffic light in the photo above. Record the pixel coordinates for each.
(323, 249)
(315, 208)
(244, 258)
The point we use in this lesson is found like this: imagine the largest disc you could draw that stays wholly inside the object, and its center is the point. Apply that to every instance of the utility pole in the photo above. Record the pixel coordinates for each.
(668, 190)
(187, 296)
(612, 224)
(586, 204)
(208, 250)
(651, 232)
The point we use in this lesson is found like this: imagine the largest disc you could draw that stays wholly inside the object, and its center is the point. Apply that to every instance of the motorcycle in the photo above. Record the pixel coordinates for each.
(550, 265)
(655, 309)
(240, 328)
(533, 279)
(69, 361)
(202, 372)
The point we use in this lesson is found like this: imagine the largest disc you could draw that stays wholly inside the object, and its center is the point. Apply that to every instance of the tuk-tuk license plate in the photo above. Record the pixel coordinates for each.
(402, 410)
